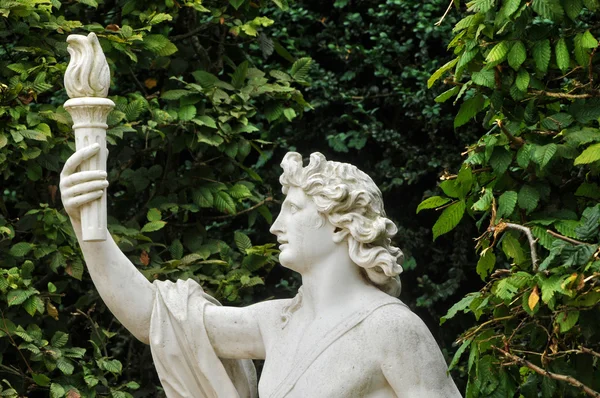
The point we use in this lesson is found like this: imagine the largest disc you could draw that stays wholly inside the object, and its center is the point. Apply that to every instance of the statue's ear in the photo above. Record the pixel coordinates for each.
(339, 234)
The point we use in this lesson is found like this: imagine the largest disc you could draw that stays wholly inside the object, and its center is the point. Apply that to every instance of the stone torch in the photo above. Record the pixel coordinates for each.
(87, 80)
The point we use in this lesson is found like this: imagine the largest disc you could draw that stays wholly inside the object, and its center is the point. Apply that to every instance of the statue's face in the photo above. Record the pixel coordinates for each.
(305, 236)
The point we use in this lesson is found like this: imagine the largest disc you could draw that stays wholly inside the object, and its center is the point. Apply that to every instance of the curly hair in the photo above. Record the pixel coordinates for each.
(351, 202)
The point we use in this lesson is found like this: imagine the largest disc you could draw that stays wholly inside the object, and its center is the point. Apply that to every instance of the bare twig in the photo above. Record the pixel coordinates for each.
(438, 23)
(554, 376)
(565, 238)
(12, 341)
(563, 95)
(191, 33)
(530, 238)
(455, 176)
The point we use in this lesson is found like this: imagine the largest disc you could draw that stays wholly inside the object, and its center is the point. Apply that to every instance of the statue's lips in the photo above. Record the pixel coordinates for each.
(282, 246)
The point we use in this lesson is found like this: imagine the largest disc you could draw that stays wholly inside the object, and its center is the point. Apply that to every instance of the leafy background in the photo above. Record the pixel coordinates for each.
(499, 134)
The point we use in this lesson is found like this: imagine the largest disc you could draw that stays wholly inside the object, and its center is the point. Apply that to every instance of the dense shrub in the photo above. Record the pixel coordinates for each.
(185, 136)
(527, 73)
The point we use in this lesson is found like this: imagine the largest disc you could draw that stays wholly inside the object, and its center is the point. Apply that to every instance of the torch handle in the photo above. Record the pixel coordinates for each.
(93, 214)
(89, 125)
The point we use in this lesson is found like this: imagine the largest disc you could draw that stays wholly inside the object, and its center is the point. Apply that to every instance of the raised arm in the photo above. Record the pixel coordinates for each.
(126, 292)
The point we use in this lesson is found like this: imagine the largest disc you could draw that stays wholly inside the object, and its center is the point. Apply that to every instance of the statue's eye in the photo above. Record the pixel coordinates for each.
(293, 208)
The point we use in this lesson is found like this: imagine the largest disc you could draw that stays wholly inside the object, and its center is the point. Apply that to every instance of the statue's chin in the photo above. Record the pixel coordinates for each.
(289, 260)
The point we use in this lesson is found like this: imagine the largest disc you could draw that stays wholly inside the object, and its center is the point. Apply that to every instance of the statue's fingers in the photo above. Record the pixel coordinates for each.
(83, 176)
(84, 188)
(78, 157)
(78, 201)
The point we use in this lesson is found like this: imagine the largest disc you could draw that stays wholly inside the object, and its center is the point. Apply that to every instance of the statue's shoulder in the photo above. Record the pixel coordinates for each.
(395, 319)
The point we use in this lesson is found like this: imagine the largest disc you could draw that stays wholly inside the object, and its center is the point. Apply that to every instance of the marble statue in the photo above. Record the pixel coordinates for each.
(345, 334)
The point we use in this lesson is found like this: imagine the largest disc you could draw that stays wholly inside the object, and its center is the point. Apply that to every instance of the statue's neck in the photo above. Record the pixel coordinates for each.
(332, 286)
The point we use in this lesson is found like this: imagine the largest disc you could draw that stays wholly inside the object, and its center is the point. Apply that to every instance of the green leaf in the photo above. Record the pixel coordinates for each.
(484, 201)
(56, 391)
(187, 112)
(543, 154)
(524, 155)
(581, 52)
(205, 79)
(563, 59)
(176, 249)
(160, 45)
(440, 72)
(588, 40)
(528, 198)
(590, 155)
(512, 248)
(224, 203)
(113, 366)
(541, 55)
(242, 241)
(443, 97)
(41, 379)
(300, 69)
(588, 190)
(239, 76)
(239, 191)
(20, 249)
(236, 3)
(522, 80)
(485, 77)
(509, 7)
(497, 53)
(65, 366)
(154, 215)
(203, 197)
(153, 226)
(289, 114)
(517, 55)
(566, 320)
(506, 204)
(459, 353)
(449, 219)
(549, 9)
(175, 94)
(205, 120)
(573, 8)
(59, 339)
(432, 202)
(462, 305)
(160, 17)
(468, 110)
(486, 263)
(500, 160)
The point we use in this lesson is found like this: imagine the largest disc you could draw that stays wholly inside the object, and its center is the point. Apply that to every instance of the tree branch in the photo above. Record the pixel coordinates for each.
(530, 238)
(438, 23)
(517, 141)
(256, 206)
(563, 95)
(566, 238)
(555, 376)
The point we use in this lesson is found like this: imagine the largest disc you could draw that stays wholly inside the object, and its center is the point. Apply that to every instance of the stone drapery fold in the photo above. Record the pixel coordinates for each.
(186, 362)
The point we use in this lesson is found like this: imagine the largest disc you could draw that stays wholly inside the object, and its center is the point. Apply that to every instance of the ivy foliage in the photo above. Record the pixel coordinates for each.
(193, 109)
(527, 74)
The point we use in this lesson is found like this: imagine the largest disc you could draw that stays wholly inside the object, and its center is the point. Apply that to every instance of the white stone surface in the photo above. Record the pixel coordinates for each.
(345, 334)
(87, 80)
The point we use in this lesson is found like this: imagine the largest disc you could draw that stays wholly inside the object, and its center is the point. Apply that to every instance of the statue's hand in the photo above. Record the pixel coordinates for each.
(79, 188)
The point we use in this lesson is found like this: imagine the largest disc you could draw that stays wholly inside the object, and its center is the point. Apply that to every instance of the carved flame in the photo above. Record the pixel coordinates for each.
(88, 74)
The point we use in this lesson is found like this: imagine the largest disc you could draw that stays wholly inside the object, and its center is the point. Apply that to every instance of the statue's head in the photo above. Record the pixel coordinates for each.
(351, 202)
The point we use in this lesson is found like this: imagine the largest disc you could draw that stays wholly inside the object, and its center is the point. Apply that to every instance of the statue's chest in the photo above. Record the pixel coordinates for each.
(308, 364)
